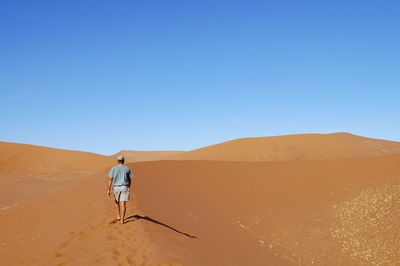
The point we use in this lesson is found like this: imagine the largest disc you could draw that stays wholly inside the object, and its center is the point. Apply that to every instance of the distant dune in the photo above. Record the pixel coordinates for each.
(29, 171)
(23, 160)
(293, 147)
(139, 156)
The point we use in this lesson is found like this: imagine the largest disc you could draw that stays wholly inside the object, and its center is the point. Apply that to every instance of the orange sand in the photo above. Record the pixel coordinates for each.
(139, 156)
(23, 160)
(332, 211)
(293, 147)
(74, 226)
(29, 171)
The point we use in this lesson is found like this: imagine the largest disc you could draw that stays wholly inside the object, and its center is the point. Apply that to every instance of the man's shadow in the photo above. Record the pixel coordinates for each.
(136, 217)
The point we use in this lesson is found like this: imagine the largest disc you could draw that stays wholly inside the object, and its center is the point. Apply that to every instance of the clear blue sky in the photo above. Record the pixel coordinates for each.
(102, 76)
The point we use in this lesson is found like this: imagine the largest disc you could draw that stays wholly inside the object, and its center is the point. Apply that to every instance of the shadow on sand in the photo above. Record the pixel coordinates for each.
(138, 217)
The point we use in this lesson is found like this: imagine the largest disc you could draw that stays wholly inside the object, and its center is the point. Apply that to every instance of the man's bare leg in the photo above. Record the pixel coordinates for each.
(122, 211)
(119, 214)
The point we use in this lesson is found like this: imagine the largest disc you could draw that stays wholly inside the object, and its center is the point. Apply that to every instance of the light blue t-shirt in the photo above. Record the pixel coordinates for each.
(121, 174)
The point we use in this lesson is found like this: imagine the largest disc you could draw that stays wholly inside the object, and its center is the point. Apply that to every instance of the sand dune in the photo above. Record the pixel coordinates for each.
(23, 160)
(28, 171)
(333, 212)
(330, 212)
(139, 156)
(293, 147)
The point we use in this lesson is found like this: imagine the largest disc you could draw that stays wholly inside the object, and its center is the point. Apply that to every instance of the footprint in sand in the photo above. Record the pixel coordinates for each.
(111, 238)
(63, 245)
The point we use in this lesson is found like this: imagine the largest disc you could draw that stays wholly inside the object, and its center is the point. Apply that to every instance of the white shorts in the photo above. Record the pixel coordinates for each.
(121, 193)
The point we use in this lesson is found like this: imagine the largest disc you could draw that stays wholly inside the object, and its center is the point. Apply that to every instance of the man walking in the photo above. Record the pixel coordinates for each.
(121, 175)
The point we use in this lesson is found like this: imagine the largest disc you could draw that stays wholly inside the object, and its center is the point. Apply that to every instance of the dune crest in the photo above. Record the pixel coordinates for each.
(140, 156)
(24, 160)
(29, 171)
(293, 147)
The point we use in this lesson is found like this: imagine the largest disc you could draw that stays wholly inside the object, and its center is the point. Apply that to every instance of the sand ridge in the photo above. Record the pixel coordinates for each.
(293, 147)
(24, 160)
(29, 171)
(139, 156)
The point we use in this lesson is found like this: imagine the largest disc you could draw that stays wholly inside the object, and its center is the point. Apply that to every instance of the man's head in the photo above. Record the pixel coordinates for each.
(121, 159)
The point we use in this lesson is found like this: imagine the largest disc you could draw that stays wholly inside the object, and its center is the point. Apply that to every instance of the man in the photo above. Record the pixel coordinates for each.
(121, 176)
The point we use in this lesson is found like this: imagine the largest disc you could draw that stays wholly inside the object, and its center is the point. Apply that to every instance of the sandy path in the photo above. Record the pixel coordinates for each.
(75, 226)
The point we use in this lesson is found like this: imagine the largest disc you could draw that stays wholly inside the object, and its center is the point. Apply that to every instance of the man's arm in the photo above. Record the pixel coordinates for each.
(110, 181)
(130, 177)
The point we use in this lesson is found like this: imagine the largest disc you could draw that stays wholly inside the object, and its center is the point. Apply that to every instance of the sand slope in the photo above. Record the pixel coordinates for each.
(23, 160)
(28, 171)
(330, 212)
(293, 147)
(139, 156)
